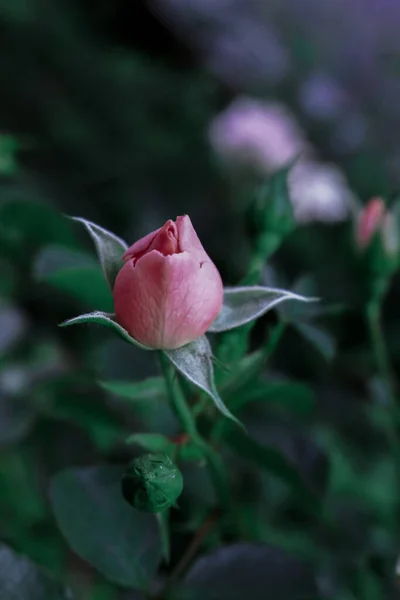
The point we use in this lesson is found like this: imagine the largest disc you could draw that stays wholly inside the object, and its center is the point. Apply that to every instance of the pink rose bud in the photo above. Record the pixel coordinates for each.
(169, 291)
(370, 221)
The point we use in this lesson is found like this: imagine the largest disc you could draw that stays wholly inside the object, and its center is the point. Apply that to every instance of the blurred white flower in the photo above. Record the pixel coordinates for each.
(319, 192)
(260, 135)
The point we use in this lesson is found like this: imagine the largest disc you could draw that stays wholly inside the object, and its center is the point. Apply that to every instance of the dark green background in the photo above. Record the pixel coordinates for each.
(104, 110)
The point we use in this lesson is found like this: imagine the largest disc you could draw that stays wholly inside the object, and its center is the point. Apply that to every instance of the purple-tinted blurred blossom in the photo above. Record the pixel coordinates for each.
(319, 192)
(255, 134)
(252, 44)
(233, 38)
(246, 52)
(264, 137)
(321, 97)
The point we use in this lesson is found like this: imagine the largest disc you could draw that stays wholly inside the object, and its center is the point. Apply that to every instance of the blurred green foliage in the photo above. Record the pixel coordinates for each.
(101, 121)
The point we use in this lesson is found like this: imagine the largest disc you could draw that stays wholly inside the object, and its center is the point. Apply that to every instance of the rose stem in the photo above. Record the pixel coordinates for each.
(188, 423)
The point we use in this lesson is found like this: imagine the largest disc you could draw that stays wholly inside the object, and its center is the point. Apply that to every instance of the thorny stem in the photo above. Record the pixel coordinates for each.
(188, 423)
(193, 547)
(190, 552)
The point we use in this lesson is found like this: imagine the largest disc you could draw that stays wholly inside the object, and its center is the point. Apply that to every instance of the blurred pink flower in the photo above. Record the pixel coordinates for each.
(265, 137)
(369, 222)
(256, 134)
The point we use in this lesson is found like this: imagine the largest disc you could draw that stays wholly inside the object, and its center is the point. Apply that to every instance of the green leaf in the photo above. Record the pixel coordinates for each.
(106, 319)
(194, 361)
(122, 543)
(29, 222)
(21, 579)
(74, 273)
(249, 366)
(319, 338)
(156, 442)
(190, 452)
(109, 247)
(54, 257)
(298, 397)
(149, 400)
(151, 388)
(84, 283)
(19, 481)
(246, 570)
(61, 400)
(153, 442)
(244, 304)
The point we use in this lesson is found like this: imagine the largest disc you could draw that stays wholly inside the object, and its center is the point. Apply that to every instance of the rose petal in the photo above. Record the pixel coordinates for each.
(166, 240)
(188, 238)
(140, 246)
(167, 301)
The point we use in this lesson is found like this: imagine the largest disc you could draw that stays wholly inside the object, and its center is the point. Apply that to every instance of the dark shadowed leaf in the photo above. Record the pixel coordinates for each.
(106, 319)
(275, 462)
(85, 284)
(53, 257)
(122, 543)
(298, 397)
(153, 442)
(21, 579)
(76, 273)
(151, 388)
(156, 442)
(194, 361)
(16, 418)
(253, 571)
(197, 485)
(319, 338)
(244, 304)
(26, 221)
(109, 247)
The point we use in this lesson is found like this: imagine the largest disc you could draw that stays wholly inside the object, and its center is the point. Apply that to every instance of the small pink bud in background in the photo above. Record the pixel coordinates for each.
(369, 222)
(169, 291)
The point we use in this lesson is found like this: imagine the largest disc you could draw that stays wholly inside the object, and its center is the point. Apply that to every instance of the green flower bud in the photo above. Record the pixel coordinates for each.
(152, 483)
